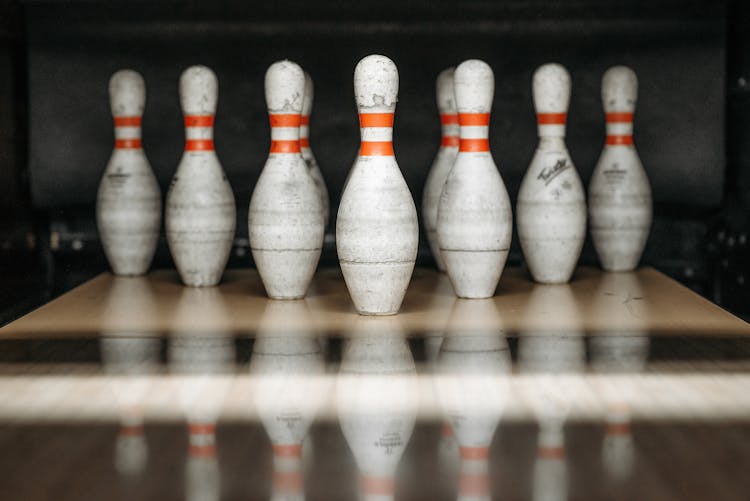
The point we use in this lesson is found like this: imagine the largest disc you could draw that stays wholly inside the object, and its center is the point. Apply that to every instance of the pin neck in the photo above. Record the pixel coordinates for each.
(551, 124)
(285, 137)
(128, 132)
(449, 130)
(619, 126)
(376, 130)
(474, 129)
(202, 440)
(199, 133)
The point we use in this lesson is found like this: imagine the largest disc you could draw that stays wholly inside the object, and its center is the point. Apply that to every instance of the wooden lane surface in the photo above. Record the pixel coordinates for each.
(641, 301)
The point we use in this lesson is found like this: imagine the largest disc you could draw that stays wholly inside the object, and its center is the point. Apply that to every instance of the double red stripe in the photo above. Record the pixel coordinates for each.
(376, 149)
(551, 118)
(132, 121)
(473, 145)
(375, 120)
(620, 140)
(474, 119)
(128, 144)
(199, 120)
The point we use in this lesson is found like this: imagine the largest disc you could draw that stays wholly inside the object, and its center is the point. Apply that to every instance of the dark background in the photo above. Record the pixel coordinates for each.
(691, 122)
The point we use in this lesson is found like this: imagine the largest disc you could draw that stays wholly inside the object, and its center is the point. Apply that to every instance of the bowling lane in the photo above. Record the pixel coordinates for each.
(613, 387)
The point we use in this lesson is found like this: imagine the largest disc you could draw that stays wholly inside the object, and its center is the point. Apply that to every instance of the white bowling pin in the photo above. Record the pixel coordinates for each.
(376, 229)
(200, 215)
(474, 220)
(443, 162)
(551, 208)
(128, 203)
(285, 218)
(550, 474)
(619, 192)
(307, 154)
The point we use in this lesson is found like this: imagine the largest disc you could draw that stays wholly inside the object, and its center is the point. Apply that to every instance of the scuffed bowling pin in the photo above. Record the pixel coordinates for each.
(307, 154)
(619, 193)
(376, 229)
(128, 204)
(200, 215)
(551, 208)
(443, 162)
(474, 220)
(285, 219)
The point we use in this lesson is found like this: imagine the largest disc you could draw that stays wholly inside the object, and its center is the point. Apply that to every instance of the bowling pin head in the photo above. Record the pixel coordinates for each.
(551, 91)
(199, 91)
(446, 96)
(307, 103)
(376, 84)
(474, 86)
(127, 94)
(285, 87)
(619, 89)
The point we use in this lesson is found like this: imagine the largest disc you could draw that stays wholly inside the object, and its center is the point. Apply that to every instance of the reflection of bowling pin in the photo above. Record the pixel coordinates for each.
(287, 362)
(619, 191)
(285, 218)
(472, 383)
(307, 153)
(376, 228)
(474, 220)
(551, 207)
(128, 203)
(132, 358)
(443, 162)
(552, 355)
(200, 214)
(550, 476)
(377, 404)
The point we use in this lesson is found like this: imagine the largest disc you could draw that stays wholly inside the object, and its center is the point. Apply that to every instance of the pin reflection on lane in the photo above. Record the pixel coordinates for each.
(621, 350)
(551, 355)
(472, 384)
(288, 363)
(201, 362)
(130, 356)
(377, 397)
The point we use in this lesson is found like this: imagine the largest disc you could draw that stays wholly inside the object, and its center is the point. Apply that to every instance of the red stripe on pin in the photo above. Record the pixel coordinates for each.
(474, 452)
(305, 120)
(128, 144)
(202, 428)
(285, 146)
(199, 145)
(382, 486)
(304, 142)
(202, 451)
(292, 450)
(474, 145)
(551, 118)
(618, 429)
(473, 119)
(449, 141)
(550, 452)
(199, 120)
(127, 121)
(375, 120)
(376, 149)
(619, 140)
(619, 117)
(449, 118)
(286, 120)
(473, 484)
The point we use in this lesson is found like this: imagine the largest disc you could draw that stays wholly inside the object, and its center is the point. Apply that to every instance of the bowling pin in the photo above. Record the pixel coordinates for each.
(474, 220)
(619, 192)
(376, 229)
(128, 203)
(443, 162)
(285, 219)
(551, 208)
(200, 215)
(307, 154)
